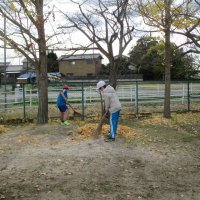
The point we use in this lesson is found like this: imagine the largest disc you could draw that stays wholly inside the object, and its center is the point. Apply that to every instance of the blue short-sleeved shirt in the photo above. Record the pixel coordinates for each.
(60, 100)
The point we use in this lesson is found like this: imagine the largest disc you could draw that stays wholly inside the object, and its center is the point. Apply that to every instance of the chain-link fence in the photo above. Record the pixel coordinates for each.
(135, 97)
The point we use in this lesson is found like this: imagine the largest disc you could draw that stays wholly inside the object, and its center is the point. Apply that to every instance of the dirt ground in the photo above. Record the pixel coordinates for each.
(51, 162)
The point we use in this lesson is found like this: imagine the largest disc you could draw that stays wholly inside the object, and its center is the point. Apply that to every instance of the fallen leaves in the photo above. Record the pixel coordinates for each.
(177, 118)
(27, 139)
(187, 122)
(123, 131)
(157, 119)
(3, 129)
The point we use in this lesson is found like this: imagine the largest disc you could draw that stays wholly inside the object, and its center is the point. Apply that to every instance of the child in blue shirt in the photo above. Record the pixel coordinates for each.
(62, 105)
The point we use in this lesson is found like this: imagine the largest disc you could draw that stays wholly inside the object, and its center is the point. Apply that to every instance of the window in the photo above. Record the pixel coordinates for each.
(90, 61)
(69, 74)
(72, 62)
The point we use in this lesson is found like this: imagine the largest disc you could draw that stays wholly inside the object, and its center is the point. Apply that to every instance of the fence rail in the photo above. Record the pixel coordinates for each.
(135, 97)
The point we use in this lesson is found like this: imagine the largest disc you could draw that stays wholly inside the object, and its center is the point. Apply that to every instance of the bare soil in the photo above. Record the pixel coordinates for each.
(52, 162)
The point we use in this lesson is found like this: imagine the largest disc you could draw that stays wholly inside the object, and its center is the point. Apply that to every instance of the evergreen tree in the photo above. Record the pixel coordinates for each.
(148, 57)
(52, 62)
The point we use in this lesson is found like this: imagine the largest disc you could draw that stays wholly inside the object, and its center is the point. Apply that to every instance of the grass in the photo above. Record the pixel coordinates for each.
(182, 128)
(153, 129)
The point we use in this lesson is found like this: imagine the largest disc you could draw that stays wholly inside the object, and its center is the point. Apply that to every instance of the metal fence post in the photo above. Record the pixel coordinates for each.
(136, 96)
(188, 95)
(24, 101)
(83, 100)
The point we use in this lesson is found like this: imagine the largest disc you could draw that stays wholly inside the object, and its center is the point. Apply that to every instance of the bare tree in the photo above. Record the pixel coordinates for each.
(157, 14)
(108, 27)
(173, 17)
(185, 20)
(188, 25)
(168, 57)
(26, 34)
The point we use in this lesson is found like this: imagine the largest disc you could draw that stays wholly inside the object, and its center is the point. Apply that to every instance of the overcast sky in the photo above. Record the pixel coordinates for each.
(65, 6)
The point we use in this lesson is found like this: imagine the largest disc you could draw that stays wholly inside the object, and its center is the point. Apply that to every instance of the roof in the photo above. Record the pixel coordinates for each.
(80, 56)
(123, 56)
(27, 75)
(25, 60)
(54, 74)
(2, 64)
(14, 68)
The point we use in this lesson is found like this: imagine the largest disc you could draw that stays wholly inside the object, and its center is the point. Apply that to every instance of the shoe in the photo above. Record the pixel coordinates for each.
(109, 139)
(66, 123)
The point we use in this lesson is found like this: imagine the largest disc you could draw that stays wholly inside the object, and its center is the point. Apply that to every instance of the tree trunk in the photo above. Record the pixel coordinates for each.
(113, 75)
(167, 111)
(42, 79)
(42, 83)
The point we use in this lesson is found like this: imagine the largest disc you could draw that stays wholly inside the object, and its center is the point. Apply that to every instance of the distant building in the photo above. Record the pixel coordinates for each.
(2, 66)
(29, 77)
(11, 72)
(80, 65)
(27, 65)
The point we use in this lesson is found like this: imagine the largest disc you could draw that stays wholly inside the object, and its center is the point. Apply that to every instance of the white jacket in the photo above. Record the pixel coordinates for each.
(111, 99)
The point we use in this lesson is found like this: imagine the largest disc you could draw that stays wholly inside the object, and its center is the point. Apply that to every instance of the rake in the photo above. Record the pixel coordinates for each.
(76, 114)
(99, 127)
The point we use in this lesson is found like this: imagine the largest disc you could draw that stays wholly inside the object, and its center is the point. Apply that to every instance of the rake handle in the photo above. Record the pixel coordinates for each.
(98, 130)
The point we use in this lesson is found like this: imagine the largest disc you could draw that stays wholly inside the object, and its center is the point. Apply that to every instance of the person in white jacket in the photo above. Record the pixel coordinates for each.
(112, 105)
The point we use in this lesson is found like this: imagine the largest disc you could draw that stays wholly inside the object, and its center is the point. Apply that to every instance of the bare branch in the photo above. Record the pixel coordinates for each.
(103, 25)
